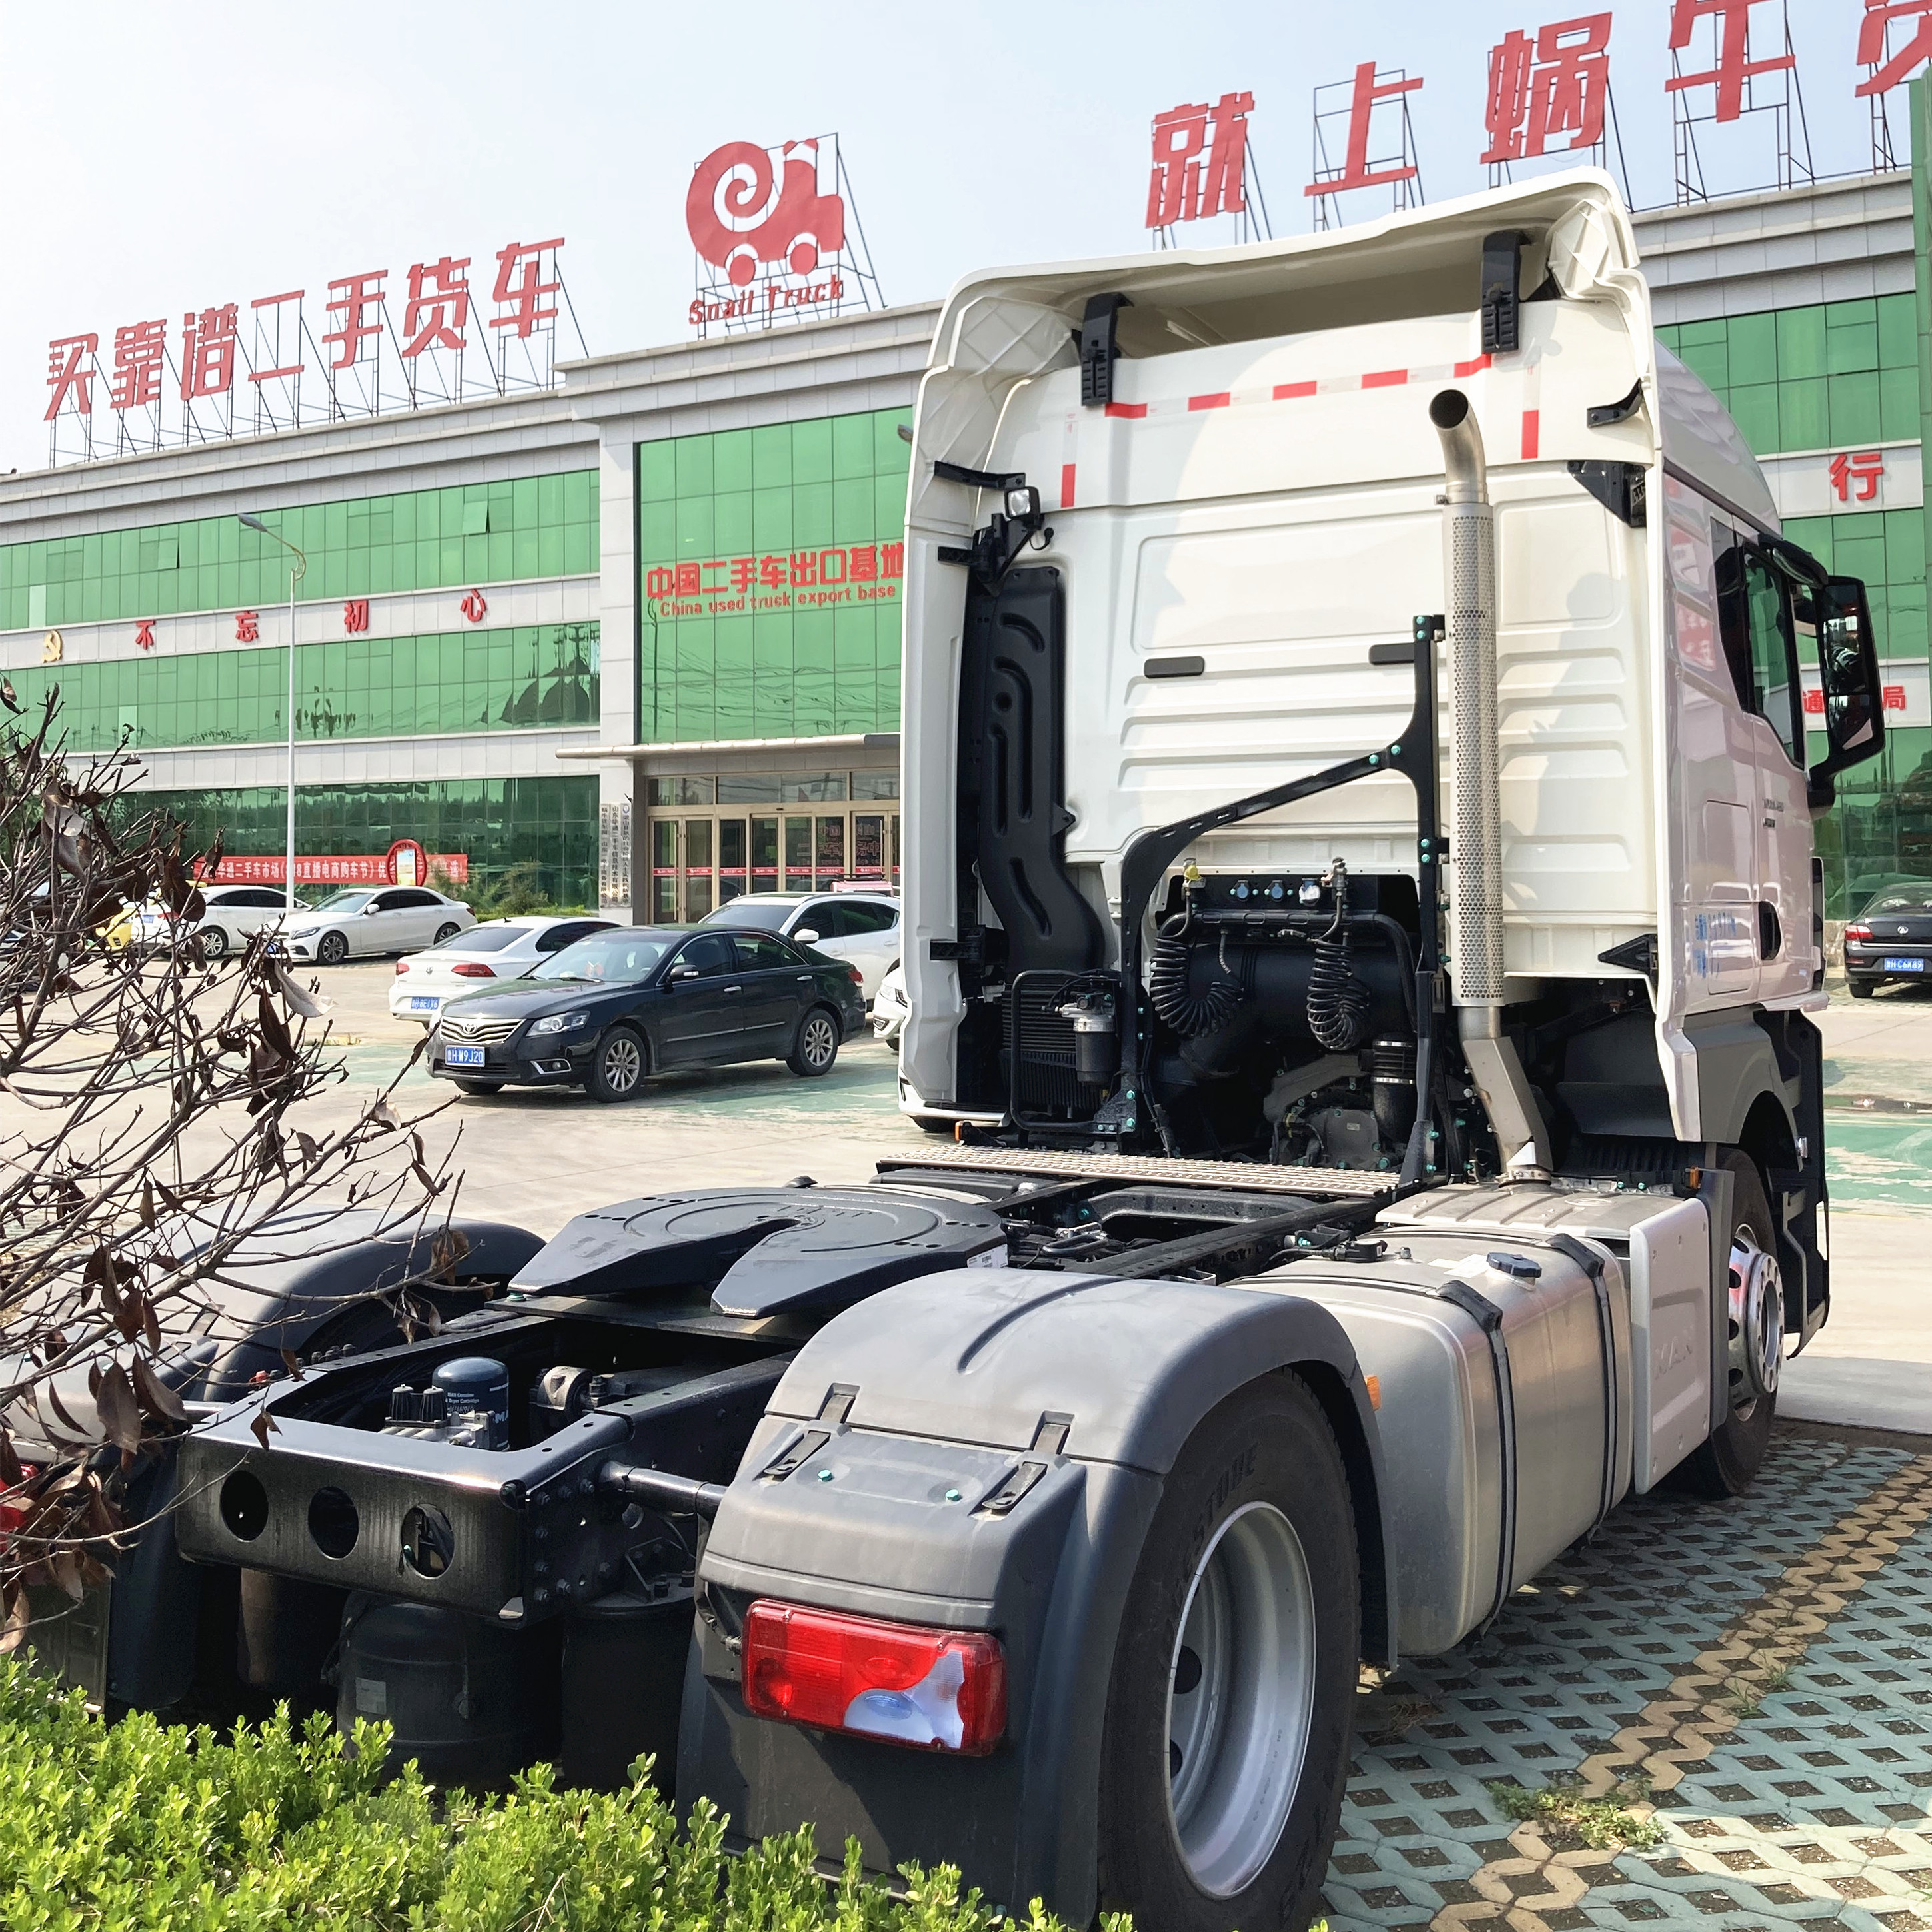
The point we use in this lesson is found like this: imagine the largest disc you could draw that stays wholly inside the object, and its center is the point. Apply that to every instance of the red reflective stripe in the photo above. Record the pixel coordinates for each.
(1530, 428)
(1475, 368)
(1287, 391)
(1066, 486)
(1218, 401)
(1384, 379)
(1131, 409)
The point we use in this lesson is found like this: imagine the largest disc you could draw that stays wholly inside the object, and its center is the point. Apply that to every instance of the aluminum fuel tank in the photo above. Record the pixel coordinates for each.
(1504, 1416)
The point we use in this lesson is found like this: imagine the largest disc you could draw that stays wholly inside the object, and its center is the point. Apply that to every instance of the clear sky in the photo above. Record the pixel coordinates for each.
(169, 157)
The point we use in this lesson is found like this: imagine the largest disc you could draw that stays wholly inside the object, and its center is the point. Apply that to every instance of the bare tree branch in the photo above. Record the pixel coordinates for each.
(152, 1131)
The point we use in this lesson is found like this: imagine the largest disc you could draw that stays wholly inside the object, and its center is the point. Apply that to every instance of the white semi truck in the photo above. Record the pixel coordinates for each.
(1361, 926)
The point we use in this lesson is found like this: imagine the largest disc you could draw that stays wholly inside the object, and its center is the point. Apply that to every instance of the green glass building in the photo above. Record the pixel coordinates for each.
(638, 635)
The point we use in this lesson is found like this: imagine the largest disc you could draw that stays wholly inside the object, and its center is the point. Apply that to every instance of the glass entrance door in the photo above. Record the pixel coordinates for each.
(732, 871)
(699, 860)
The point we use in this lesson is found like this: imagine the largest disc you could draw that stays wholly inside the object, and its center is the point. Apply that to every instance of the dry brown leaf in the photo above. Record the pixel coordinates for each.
(120, 1413)
(19, 1616)
(448, 1248)
(292, 1362)
(64, 1569)
(60, 1410)
(264, 1426)
(311, 1006)
(153, 1395)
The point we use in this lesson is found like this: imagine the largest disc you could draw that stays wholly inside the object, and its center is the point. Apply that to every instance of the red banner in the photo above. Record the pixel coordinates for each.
(356, 869)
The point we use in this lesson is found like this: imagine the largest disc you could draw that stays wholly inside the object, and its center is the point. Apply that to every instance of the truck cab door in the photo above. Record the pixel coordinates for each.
(1786, 949)
(1757, 626)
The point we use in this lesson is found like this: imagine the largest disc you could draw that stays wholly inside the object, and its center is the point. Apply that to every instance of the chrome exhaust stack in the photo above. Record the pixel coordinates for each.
(1469, 575)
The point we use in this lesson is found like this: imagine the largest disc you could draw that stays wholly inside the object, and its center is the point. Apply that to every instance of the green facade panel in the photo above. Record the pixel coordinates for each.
(517, 679)
(1831, 376)
(548, 824)
(421, 540)
(770, 578)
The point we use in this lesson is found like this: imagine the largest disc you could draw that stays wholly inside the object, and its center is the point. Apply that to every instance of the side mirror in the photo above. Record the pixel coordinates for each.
(678, 973)
(806, 936)
(372, 908)
(1849, 684)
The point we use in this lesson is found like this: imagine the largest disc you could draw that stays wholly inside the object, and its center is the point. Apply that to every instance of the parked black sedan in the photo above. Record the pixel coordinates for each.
(1891, 939)
(637, 999)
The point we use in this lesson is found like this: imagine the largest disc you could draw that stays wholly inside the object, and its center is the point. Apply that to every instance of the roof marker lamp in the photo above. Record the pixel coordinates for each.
(931, 1689)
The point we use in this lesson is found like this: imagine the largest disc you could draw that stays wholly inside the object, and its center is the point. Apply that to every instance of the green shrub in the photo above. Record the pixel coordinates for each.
(143, 1825)
(516, 893)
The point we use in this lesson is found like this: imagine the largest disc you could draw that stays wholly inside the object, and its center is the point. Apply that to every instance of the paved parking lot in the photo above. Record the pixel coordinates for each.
(1878, 1093)
(537, 1157)
(1750, 1681)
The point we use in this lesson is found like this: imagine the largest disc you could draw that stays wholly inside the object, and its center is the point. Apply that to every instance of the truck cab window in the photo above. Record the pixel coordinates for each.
(1754, 619)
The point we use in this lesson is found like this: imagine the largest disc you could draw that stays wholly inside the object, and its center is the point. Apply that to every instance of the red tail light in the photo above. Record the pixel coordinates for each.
(1857, 932)
(402, 965)
(858, 978)
(473, 969)
(935, 1690)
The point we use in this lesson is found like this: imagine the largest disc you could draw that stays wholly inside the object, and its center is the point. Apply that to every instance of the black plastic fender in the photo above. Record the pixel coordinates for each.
(881, 1482)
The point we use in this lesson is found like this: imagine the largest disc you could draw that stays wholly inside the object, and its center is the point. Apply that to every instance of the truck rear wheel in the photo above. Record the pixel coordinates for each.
(1226, 1746)
(1727, 1463)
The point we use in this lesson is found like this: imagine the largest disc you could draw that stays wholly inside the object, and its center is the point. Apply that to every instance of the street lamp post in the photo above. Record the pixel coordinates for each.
(297, 570)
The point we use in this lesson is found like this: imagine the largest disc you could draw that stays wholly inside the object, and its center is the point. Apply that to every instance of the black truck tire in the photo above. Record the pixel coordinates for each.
(1727, 1462)
(1241, 1637)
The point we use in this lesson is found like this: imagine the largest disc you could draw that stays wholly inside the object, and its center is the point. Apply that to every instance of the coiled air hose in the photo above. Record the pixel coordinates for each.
(1338, 1002)
(1191, 1015)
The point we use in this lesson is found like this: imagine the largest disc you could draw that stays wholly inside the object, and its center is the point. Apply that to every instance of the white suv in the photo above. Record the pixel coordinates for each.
(861, 929)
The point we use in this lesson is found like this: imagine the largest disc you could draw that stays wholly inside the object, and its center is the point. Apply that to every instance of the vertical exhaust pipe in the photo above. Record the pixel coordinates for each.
(1475, 850)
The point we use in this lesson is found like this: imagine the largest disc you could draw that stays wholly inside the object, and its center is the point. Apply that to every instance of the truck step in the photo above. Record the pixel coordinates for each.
(1250, 1176)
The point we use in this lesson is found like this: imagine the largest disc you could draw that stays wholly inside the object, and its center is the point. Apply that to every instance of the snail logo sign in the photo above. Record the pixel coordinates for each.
(777, 236)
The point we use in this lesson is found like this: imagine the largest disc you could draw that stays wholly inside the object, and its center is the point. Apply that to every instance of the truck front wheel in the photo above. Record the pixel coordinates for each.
(1727, 1464)
(1226, 1746)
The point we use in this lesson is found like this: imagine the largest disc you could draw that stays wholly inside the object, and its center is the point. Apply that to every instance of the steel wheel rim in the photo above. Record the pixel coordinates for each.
(332, 951)
(1756, 1321)
(819, 1044)
(215, 942)
(1240, 1697)
(623, 1064)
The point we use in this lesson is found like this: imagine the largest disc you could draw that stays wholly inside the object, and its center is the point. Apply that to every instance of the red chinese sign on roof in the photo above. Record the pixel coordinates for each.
(367, 328)
(1542, 86)
(1200, 158)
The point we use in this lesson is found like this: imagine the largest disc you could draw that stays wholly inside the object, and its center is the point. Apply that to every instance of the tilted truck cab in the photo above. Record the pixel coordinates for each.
(1361, 921)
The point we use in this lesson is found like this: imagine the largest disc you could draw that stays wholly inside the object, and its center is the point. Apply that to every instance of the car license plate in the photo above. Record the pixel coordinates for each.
(1904, 965)
(462, 1056)
(425, 1003)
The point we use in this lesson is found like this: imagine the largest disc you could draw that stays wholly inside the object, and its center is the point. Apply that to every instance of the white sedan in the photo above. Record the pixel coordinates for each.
(235, 913)
(365, 920)
(499, 949)
(891, 1009)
